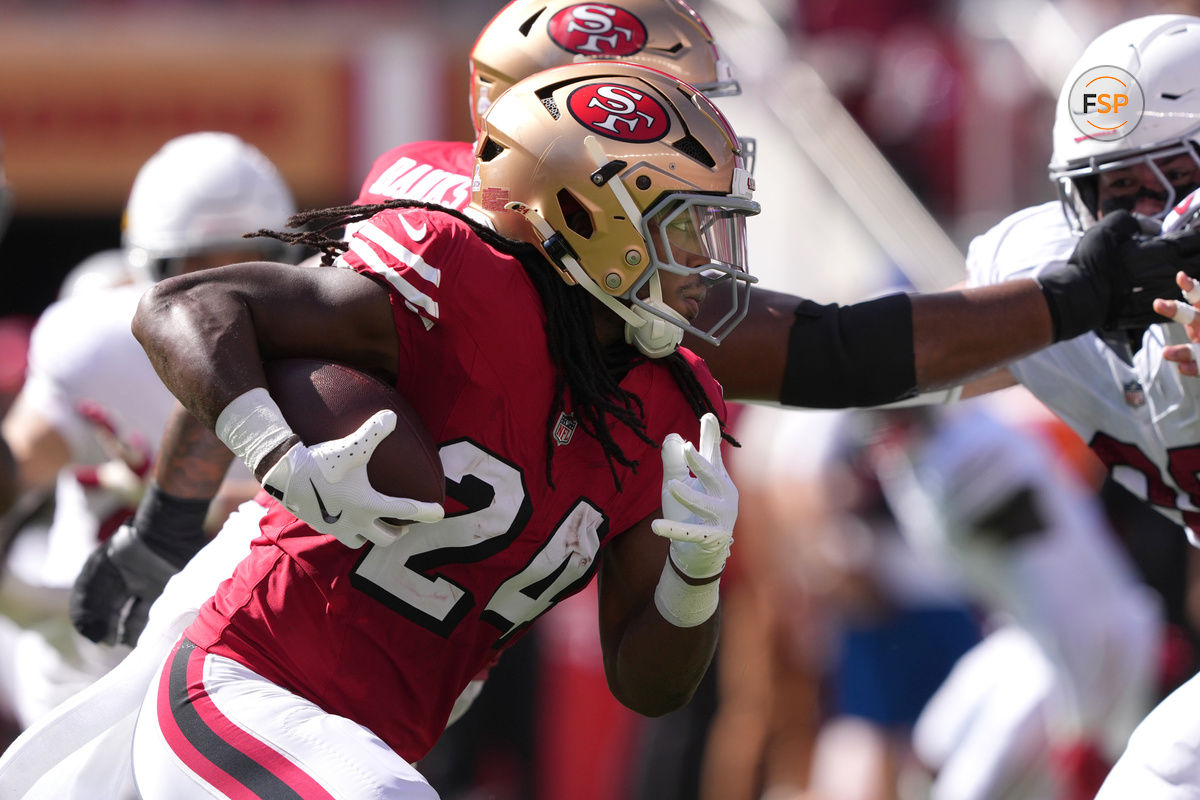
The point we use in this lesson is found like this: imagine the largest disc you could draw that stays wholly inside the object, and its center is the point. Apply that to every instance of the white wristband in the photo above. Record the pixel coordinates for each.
(683, 604)
(252, 426)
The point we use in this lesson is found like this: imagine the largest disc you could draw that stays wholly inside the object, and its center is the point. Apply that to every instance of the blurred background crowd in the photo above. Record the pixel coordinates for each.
(889, 133)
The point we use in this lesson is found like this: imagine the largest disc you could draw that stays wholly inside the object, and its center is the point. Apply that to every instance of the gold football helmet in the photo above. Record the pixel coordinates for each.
(616, 171)
(528, 36)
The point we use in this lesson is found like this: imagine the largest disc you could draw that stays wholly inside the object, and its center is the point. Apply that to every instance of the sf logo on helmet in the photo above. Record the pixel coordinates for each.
(597, 29)
(619, 112)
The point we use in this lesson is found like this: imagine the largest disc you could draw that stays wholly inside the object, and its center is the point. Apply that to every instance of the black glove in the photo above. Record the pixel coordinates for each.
(1084, 293)
(122, 578)
(1115, 273)
(1152, 265)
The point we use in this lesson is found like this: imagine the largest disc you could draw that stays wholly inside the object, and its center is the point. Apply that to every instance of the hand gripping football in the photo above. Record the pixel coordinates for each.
(323, 400)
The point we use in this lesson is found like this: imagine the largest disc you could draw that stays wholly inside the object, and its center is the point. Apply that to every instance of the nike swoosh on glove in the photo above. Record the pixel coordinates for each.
(326, 485)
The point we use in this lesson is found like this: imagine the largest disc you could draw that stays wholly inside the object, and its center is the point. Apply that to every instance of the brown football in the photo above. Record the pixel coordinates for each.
(323, 400)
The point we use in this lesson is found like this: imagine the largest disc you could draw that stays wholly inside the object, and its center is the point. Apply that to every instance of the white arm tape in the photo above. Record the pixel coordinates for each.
(682, 604)
(252, 426)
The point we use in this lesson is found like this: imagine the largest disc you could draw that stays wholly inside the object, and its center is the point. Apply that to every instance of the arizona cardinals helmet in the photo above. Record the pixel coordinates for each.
(1162, 53)
(616, 171)
(201, 192)
(528, 36)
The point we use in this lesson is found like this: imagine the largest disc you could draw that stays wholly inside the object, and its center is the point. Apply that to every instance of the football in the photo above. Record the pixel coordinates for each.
(323, 400)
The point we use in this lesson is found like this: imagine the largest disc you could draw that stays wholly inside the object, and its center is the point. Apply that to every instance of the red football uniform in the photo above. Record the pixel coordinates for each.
(435, 172)
(389, 636)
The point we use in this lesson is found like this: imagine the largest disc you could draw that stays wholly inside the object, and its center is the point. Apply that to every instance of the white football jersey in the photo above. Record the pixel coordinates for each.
(1140, 416)
(83, 354)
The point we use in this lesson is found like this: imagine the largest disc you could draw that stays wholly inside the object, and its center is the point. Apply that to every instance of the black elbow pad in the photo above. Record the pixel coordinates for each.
(845, 356)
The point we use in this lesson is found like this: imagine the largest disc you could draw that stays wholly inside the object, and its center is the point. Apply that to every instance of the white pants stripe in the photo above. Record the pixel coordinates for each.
(238, 735)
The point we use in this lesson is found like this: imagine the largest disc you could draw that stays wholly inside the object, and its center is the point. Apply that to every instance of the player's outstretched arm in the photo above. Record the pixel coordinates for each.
(660, 582)
(795, 352)
(962, 334)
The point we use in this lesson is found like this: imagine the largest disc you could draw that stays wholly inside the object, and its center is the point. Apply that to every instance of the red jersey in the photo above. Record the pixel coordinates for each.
(389, 636)
(434, 172)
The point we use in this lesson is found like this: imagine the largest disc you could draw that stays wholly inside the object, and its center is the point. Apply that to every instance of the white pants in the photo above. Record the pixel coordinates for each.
(210, 727)
(84, 743)
(1162, 759)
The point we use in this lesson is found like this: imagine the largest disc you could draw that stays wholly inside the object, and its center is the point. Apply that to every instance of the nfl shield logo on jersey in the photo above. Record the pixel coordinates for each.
(564, 428)
(1135, 395)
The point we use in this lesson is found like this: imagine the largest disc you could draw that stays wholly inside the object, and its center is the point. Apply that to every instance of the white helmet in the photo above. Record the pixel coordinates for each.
(201, 192)
(1162, 53)
(103, 270)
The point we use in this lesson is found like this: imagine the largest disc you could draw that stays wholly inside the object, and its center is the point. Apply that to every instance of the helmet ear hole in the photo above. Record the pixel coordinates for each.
(577, 217)
(692, 148)
(490, 150)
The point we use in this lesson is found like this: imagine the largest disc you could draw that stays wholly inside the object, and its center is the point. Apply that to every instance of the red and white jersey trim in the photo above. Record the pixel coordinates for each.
(415, 298)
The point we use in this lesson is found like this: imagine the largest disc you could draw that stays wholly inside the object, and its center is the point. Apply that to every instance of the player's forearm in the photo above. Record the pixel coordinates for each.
(657, 666)
(192, 461)
(961, 334)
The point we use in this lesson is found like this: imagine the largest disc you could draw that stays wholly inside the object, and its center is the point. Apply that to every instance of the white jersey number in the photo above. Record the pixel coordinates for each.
(406, 577)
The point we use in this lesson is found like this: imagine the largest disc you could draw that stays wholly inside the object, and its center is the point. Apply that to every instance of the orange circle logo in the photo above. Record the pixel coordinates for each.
(1106, 103)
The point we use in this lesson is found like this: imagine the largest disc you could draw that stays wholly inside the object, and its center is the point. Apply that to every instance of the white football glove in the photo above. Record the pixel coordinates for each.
(698, 512)
(326, 485)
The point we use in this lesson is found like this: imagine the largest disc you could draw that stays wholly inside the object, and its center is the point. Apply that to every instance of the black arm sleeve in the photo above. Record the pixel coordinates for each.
(856, 355)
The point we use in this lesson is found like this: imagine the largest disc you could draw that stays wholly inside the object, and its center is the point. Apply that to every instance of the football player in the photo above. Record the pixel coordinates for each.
(1112, 386)
(936, 338)
(113, 596)
(594, 180)
(91, 413)
(913, 343)
(127, 573)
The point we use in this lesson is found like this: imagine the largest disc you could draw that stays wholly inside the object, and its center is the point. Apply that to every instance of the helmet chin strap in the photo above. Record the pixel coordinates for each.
(652, 336)
(655, 337)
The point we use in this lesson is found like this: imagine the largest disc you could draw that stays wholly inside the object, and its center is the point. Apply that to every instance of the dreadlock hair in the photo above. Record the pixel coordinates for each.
(591, 374)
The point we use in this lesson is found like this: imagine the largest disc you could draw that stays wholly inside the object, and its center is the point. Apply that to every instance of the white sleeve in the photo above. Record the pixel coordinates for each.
(83, 352)
(48, 388)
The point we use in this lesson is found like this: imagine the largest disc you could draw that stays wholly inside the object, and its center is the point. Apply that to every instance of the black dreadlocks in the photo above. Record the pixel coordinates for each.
(591, 374)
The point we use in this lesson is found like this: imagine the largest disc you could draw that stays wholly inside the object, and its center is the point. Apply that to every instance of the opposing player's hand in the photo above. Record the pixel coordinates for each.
(110, 601)
(1155, 265)
(698, 512)
(326, 485)
(1119, 267)
(1083, 293)
(1183, 312)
